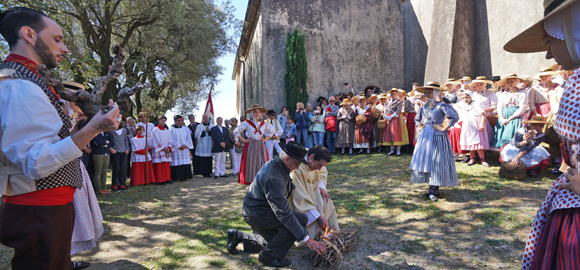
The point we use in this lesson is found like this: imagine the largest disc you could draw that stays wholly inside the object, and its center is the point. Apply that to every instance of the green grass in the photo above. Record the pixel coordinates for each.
(480, 224)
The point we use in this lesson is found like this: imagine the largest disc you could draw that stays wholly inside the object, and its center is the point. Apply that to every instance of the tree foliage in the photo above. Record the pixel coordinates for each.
(171, 45)
(296, 70)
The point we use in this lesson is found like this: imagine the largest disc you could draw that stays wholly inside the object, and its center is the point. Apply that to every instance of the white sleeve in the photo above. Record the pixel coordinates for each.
(32, 145)
(312, 215)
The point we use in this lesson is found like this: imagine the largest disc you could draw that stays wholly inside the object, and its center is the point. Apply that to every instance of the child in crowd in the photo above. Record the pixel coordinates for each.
(140, 156)
(523, 148)
(291, 133)
(474, 129)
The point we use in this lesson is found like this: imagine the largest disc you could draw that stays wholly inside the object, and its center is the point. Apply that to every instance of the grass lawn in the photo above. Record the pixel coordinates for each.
(480, 224)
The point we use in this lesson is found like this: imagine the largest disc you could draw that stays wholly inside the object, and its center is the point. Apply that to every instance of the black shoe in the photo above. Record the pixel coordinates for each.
(233, 241)
(215, 177)
(273, 262)
(80, 265)
(556, 169)
(225, 175)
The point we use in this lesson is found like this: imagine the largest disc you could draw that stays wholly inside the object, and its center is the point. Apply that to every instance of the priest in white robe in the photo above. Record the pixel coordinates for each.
(310, 196)
(181, 155)
(203, 155)
(162, 145)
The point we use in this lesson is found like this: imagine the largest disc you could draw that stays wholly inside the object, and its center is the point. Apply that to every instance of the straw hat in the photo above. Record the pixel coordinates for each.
(346, 101)
(383, 96)
(363, 98)
(402, 91)
(374, 96)
(481, 79)
(256, 106)
(466, 78)
(536, 119)
(532, 39)
(357, 98)
(509, 76)
(73, 86)
(551, 70)
(453, 81)
(430, 85)
(390, 91)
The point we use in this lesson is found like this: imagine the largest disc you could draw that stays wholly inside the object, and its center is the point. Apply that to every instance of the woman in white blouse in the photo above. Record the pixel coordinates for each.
(509, 110)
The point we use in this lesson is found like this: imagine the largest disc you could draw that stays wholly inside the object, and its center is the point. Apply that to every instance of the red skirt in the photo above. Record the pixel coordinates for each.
(558, 245)
(254, 157)
(410, 121)
(138, 173)
(162, 172)
(455, 137)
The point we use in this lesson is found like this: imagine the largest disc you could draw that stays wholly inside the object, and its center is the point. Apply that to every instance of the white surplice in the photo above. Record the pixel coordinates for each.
(181, 136)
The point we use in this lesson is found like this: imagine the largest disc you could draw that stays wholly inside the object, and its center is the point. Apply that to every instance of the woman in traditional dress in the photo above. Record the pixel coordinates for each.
(474, 129)
(345, 118)
(553, 240)
(409, 113)
(142, 168)
(395, 133)
(525, 147)
(364, 135)
(377, 114)
(487, 99)
(509, 111)
(255, 153)
(432, 160)
(383, 101)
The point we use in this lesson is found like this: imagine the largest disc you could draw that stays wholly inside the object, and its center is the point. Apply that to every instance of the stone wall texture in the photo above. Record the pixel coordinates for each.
(385, 43)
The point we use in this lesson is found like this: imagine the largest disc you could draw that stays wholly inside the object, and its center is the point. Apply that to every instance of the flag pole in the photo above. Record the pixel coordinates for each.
(146, 145)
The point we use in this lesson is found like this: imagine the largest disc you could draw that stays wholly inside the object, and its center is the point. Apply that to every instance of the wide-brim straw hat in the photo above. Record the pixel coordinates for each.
(256, 106)
(383, 96)
(363, 98)
(532, 39)
(466, 78)
(451, 81)
(73, 86)
(402, 91)
(346, 101)
(374, 96)
(536, 119)
(509, 76)
(355, 98)
(430, 85)
(392, 90)
(481, 79)
(551, 71)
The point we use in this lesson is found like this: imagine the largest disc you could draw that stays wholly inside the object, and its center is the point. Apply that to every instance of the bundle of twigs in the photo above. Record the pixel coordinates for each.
(337, 244)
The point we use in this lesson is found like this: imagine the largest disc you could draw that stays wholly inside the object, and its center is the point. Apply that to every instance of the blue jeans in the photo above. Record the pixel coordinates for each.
(331, 141)
(302, 136)
(318, 137)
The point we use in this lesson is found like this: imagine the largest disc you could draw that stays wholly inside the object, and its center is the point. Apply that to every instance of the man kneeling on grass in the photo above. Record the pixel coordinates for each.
(267, 211)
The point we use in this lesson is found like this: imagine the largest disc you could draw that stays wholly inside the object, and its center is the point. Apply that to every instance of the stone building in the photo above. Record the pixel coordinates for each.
(386, 43)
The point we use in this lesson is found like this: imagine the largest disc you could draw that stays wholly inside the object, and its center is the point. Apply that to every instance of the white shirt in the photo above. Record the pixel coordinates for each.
(30, 126)
(149, 129)
(251, 132)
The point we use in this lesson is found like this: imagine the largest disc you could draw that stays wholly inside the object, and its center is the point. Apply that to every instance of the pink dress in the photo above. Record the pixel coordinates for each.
(472, 138)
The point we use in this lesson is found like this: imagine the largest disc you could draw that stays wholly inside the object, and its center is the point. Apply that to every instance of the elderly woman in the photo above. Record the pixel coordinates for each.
(433, 160)
(345, 119)
(553, 240)
(255, 153)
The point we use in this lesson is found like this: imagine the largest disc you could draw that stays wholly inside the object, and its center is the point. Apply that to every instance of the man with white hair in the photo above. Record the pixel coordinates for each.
(220, 137)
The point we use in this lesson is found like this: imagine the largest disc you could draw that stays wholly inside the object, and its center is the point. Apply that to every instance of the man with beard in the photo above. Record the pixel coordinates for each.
(39, 157)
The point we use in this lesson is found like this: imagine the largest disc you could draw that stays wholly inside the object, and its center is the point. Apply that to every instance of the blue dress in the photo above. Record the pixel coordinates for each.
(432, 160)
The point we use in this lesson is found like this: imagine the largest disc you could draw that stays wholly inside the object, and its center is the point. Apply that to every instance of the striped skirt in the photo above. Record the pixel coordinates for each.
(433, 161)
(558, 245)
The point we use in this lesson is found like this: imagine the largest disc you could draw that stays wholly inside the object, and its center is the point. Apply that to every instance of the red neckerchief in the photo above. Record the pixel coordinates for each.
(254, 126)
(140, 137)
(29, 64)
(161, 127)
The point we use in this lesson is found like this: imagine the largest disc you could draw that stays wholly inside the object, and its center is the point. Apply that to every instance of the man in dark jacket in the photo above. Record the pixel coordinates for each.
(267, 211)
(220, 137)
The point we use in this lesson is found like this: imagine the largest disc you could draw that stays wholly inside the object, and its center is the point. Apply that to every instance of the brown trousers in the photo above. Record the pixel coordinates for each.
(40, 235)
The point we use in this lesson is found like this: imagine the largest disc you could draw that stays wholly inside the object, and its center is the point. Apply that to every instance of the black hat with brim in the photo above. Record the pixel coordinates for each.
(270, 112)
(295, 150)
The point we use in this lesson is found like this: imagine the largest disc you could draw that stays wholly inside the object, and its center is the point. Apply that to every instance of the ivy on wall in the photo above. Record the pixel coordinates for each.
(296, 71)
